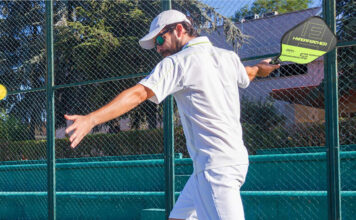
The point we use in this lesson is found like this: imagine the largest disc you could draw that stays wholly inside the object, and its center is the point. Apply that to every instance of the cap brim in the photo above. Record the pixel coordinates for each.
(147, 42)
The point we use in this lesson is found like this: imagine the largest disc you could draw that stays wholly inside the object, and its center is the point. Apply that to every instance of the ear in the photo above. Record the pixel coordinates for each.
(179, 30)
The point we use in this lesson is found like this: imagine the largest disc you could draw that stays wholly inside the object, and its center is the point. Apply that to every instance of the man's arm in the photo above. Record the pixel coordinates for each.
(262, 69)
(124, 102)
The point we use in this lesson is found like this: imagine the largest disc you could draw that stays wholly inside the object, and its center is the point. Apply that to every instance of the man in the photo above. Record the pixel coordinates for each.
(204, 81)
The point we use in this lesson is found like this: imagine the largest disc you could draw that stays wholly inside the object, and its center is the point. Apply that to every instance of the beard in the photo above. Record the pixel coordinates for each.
(170, 51)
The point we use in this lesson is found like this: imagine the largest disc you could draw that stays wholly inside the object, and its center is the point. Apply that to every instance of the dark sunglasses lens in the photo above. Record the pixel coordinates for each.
(159, 40)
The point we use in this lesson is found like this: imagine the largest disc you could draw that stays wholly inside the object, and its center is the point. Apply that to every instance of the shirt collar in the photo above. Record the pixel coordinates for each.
(197, 41)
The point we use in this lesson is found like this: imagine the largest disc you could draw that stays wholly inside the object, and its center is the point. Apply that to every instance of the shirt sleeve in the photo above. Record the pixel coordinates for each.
(164, 80)
(243, 80)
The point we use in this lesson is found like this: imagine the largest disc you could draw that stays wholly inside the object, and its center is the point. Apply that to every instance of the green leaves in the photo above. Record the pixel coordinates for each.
(263, 114)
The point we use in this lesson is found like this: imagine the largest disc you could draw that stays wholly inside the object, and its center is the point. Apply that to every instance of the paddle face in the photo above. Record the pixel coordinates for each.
(307, 41)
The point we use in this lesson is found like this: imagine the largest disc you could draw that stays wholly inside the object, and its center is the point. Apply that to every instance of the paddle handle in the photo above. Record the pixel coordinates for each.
(275, 60)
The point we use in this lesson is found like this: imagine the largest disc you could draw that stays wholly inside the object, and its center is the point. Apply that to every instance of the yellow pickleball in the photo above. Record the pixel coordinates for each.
(3, 92)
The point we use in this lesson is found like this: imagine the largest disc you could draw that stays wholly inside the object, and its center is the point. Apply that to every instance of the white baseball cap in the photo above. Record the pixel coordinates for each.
(163, 19)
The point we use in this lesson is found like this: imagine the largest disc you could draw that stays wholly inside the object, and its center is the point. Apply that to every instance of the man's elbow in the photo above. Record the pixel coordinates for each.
(143, 93)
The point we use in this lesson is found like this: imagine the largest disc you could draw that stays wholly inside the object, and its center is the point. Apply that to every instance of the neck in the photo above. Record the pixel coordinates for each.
(185, 40)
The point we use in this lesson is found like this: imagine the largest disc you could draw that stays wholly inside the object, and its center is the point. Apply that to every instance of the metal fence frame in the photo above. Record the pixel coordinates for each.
(331, 117)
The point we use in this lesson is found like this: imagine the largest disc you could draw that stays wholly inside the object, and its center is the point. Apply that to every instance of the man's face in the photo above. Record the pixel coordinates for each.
(170, 45)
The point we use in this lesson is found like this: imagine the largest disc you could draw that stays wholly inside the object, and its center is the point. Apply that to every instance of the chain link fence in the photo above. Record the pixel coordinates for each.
(276, 116)
(346, 24)
(118, 170)
(22, 113)
(97, 40)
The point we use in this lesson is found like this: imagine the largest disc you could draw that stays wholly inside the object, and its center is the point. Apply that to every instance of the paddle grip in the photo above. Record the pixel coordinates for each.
(275, 60)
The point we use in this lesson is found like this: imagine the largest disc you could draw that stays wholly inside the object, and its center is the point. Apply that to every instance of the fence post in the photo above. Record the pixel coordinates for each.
(51, 163)
(168, 141)
(331, 117)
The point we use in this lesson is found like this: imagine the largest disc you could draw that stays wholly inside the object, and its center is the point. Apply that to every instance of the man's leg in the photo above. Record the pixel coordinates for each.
(218, 193)
(184, 207)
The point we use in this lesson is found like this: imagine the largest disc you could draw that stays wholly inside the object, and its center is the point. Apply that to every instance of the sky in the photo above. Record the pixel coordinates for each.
(229, 7)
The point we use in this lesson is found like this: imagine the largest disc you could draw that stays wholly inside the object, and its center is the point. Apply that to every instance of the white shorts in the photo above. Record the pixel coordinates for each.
(212, 194)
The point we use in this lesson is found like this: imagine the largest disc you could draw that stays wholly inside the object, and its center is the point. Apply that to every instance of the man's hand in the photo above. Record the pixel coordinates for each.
(262, 69)
(82, 125)
(265, 68)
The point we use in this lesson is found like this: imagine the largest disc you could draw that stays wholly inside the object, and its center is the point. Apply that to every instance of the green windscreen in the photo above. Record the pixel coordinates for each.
(307, 41)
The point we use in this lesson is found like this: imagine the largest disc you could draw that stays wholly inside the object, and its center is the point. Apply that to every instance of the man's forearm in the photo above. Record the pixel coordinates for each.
(251, 71)
(121, 104)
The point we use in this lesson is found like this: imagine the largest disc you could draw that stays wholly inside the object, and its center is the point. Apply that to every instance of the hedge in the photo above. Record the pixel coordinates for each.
(298, 135)
(150, 141)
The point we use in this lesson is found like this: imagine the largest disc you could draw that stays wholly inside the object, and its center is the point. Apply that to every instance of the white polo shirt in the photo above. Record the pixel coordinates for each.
(204, 81)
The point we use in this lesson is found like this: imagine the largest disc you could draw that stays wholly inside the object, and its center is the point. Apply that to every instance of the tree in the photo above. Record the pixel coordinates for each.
(22, 63)
(262, 114)
(11, 129)
(99, 39)
(345, 26)
(265, 6)
(262, 124)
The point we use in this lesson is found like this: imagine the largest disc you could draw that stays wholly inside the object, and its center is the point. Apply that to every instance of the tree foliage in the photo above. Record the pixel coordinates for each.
(11, 129)
(345, 30)
(22, 63)
(262, 114)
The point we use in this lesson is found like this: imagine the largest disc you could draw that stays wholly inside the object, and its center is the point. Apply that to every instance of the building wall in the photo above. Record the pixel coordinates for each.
(260, 89)
(305, 114)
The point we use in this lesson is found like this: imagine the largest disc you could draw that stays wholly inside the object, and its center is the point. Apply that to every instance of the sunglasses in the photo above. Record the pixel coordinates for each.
(159, 39)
